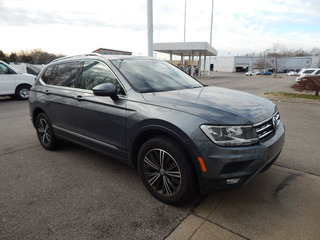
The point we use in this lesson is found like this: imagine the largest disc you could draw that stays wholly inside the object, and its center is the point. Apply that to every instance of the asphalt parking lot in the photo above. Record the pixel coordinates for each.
(75, 193)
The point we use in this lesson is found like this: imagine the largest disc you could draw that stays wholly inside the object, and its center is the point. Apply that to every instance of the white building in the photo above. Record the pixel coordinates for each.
(244, 64)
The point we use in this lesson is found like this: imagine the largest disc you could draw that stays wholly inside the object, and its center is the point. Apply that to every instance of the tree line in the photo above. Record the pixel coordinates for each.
(281, 51)
(34, 56)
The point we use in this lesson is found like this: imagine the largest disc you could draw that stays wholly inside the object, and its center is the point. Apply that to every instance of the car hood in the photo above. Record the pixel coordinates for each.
(214, 104)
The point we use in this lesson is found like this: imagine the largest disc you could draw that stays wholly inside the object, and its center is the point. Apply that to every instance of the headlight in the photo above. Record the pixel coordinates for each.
(229, 136)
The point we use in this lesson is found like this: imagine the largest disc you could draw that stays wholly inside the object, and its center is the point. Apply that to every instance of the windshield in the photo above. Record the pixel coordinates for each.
(148, 75)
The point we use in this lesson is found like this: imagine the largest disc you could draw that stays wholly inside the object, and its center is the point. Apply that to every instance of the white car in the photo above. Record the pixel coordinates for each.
(252, 73)
(292, 73)
(13, 83)
(308, 72)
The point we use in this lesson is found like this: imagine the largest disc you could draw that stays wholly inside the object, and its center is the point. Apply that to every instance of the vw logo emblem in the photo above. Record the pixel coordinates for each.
(274, 122)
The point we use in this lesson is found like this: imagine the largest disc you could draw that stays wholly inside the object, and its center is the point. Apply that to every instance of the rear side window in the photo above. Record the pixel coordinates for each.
(317, 72)
(64, 74)
(308, 71)
(95, 73)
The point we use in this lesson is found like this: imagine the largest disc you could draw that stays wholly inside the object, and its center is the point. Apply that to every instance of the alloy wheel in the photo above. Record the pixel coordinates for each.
(162, 172)
(24, 93)
(44, 131)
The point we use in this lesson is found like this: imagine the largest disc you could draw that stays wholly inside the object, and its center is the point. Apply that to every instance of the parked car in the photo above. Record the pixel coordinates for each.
(13, 83)
(265, 73)
(307, 72)
(180, 134)
(252, 73)
(292, 73)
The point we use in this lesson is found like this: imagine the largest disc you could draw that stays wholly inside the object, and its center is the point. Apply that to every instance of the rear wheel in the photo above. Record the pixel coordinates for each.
(22, 92)
(166, 171)
(45, 132)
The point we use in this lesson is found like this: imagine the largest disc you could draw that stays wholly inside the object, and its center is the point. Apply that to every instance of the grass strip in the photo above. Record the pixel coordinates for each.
(293, 95)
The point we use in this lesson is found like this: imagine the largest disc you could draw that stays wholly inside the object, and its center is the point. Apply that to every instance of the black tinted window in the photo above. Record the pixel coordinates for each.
(47, 75)
(3, 69)
(64, 74)
(95, 73)
(308, 71)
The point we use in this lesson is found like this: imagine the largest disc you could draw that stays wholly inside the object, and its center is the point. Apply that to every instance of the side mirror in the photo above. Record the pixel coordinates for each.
(106, 89)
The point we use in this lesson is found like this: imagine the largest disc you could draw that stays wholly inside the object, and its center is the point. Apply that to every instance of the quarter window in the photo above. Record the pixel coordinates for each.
(95, 73)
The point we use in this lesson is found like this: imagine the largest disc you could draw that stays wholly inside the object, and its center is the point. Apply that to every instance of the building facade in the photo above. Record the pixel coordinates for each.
(244, 64)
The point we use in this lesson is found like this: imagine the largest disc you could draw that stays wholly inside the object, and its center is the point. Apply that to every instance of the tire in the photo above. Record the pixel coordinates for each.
(45, 133)
(166, 170)
(22, 92)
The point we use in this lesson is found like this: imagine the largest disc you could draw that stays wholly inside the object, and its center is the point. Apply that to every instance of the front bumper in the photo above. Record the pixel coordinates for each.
(229, 167)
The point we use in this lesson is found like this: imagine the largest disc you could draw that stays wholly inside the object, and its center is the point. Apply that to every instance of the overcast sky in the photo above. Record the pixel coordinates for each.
(76, 26)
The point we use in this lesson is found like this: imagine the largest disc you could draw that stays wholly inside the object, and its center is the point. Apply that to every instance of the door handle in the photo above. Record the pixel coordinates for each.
(47, 92)
(79, 98)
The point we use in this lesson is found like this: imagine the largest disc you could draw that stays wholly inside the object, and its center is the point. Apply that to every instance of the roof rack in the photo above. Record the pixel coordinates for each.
(80, 55)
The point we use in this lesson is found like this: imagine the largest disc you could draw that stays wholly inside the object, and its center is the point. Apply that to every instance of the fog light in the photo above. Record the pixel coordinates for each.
(233, 180)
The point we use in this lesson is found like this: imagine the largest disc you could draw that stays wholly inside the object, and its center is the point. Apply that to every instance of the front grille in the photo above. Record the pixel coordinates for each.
(267, 127)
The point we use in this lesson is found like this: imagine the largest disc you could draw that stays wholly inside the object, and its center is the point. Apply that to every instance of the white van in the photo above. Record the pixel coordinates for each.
(307, 72)
(13, 83)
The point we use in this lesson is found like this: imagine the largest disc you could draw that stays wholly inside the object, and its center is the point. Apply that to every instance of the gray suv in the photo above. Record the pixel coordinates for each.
(181, 135)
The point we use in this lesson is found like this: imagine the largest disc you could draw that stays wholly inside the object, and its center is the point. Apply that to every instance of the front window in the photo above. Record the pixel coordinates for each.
(95, 73)
(308, 71)
(148, 75)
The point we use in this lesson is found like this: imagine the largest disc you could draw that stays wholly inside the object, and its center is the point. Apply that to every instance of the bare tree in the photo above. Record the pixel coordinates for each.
(315, 51)
(260, 64)
(34, 56)
(276, 56)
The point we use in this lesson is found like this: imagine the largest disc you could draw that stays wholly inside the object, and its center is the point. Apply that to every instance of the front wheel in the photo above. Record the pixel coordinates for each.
(22, 92)
(166, 170)
(45, 132)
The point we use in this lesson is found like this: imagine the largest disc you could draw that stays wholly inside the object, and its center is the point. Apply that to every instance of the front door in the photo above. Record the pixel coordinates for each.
(7, 80)
(100, 120)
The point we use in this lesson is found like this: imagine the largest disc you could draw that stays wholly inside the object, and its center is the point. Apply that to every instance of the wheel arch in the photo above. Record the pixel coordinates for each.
(175, 133)
(35, 113)
(22, 84)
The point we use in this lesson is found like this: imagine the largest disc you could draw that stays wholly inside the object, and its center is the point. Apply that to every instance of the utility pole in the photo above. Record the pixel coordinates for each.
(150, 27)
(211, 23)
(185, 21)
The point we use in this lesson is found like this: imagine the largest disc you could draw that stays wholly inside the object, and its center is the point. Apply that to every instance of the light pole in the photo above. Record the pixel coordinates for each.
(265, 60)
(185, 20)
(211, 36)
(150, 27)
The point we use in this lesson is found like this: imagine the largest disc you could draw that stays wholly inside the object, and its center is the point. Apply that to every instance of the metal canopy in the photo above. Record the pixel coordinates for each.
(185, 48)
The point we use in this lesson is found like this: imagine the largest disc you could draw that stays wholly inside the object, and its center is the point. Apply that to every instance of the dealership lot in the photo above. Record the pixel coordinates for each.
(75, 193)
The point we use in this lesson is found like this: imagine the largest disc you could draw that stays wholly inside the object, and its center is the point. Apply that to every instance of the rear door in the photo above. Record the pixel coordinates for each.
(59, 97)
(100, 120)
